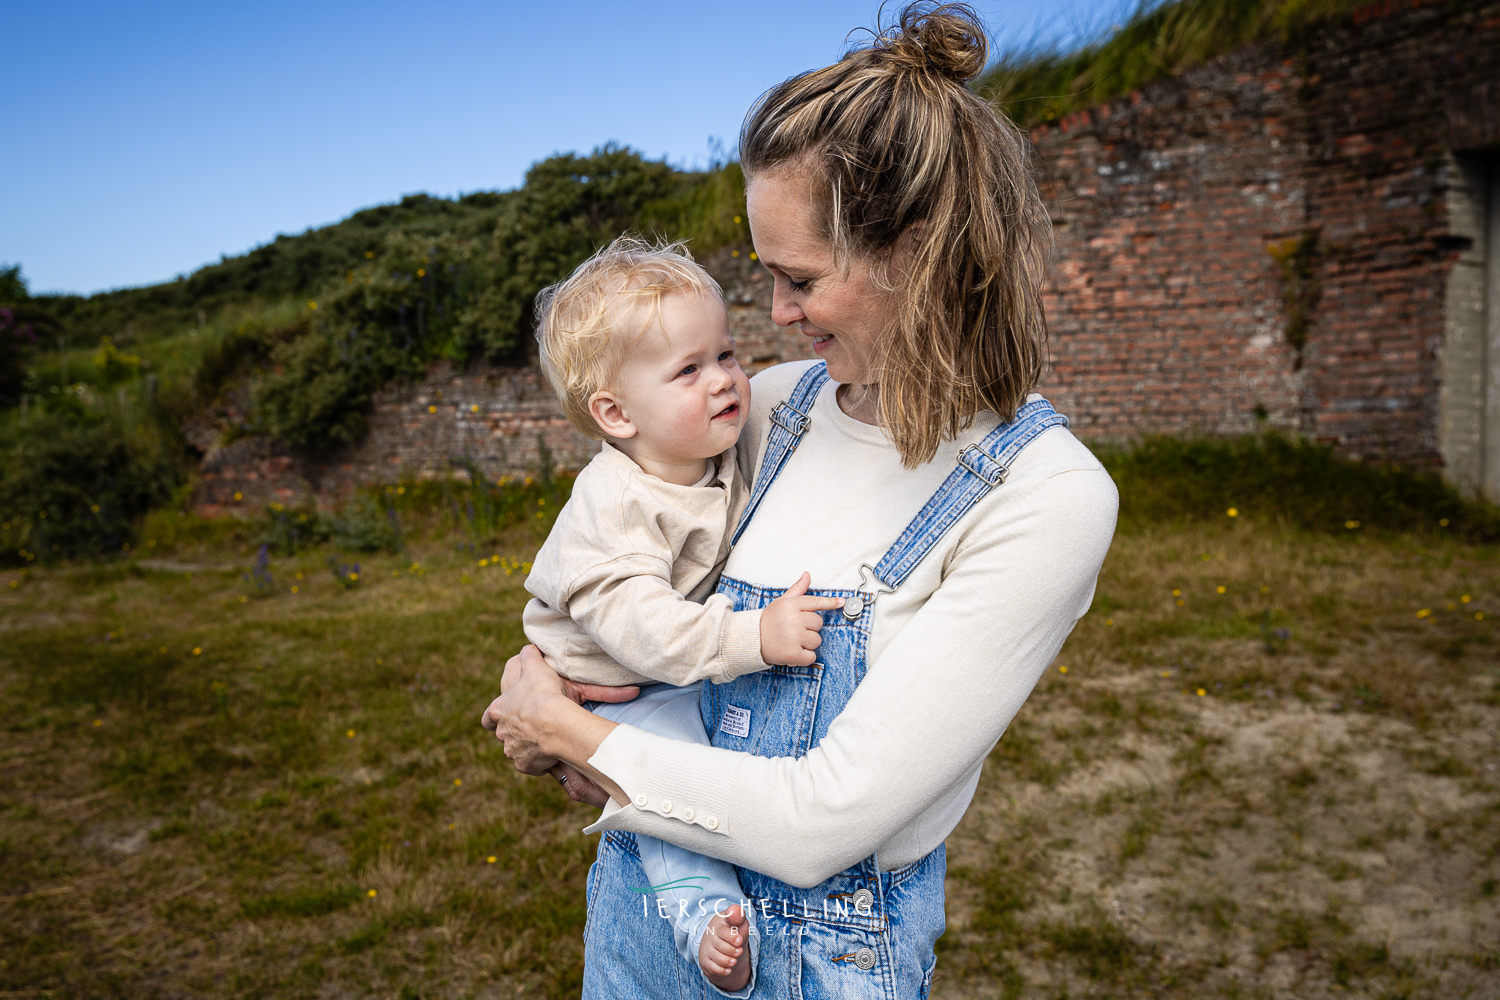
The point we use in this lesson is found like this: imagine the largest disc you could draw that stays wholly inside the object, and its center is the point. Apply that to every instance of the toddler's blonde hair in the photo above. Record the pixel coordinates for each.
(585, 323)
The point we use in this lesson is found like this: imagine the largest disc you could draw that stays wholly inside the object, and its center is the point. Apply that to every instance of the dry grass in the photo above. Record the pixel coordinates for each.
(1321, 821)
(1202, 806)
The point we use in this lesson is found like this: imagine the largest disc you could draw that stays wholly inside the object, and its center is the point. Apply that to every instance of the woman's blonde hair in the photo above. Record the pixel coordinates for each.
(586, 323)
(927, 181)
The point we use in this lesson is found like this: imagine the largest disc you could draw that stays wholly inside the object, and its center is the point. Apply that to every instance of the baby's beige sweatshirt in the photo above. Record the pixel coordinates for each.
(628, 575)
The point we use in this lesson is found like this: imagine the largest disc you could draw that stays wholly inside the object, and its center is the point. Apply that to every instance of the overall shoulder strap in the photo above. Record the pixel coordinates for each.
(789, 421)
(981, 467)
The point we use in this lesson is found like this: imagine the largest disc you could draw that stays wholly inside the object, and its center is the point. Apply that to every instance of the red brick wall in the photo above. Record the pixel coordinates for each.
(1167, 309)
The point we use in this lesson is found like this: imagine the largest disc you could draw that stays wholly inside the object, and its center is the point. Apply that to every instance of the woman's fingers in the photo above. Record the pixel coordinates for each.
(491, 717)
(578, 787)
(598, 692)
(528, 681)
(512, 668)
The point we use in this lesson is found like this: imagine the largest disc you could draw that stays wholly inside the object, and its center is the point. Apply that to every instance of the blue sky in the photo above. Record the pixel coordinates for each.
(146, 139)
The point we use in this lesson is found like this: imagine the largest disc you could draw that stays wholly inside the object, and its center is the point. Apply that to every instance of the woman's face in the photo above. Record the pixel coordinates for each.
(843, 314)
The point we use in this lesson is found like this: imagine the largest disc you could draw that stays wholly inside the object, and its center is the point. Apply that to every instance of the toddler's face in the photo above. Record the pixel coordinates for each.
(681, 387)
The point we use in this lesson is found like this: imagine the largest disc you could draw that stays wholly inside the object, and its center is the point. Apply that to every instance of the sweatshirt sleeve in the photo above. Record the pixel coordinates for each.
(922, 721)
(627, 606)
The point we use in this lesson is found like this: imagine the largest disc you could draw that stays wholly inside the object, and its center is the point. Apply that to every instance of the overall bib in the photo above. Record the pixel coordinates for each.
(863, 933)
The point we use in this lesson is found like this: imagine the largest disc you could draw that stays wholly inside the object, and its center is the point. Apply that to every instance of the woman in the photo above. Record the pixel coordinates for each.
(961, 523)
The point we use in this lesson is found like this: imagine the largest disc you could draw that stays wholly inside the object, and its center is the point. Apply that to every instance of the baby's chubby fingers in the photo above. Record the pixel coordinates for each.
(819, 603)
(803, 657)
(810, 621)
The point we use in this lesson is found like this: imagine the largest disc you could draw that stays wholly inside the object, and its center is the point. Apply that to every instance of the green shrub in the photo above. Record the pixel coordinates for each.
(21, 325)
(418, 297)
(385, 320)
(1287, 479)
(367, 525)
(77, 482)
(286, 530)
(569, 207)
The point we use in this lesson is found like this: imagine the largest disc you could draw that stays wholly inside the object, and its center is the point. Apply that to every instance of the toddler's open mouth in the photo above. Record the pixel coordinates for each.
(728, 413)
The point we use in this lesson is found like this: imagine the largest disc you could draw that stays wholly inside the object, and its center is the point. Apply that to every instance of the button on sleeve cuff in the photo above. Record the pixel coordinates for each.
(697, 793)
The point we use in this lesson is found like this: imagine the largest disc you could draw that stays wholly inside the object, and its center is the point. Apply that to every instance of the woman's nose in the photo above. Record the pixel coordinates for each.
(784, 309)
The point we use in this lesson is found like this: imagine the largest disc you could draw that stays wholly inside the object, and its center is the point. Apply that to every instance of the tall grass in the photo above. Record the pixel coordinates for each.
(1038, 85)
(1287, 480)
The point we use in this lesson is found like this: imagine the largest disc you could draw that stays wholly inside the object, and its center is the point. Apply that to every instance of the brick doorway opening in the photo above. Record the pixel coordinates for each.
(1470, 427)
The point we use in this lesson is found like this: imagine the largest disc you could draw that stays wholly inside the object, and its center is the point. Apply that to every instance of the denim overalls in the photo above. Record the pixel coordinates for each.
(863, 933)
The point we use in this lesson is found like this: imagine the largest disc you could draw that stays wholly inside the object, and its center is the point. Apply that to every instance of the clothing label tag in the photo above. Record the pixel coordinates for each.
(736, 721)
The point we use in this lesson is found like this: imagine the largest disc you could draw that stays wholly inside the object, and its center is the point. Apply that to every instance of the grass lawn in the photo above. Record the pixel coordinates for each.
(1264, 765)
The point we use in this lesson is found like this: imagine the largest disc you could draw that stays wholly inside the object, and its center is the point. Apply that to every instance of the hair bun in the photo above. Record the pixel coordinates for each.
(946, 39)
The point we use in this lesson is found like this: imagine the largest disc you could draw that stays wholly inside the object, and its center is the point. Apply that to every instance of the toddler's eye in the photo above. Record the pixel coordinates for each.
(687, 371)
(727, 356)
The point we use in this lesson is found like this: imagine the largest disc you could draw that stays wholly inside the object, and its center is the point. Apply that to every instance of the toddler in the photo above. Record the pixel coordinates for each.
(636, 345)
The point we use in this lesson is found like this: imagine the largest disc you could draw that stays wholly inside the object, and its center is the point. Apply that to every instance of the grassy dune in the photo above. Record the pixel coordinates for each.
(1284, 789)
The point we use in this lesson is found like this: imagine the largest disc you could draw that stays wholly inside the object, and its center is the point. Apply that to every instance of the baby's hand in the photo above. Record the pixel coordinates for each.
(789, 625)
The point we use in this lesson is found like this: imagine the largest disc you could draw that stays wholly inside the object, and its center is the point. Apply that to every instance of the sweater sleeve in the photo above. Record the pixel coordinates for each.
(922, 721)
(627, 606)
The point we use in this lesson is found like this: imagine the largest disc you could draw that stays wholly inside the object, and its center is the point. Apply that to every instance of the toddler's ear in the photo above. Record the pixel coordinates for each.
(610, 415)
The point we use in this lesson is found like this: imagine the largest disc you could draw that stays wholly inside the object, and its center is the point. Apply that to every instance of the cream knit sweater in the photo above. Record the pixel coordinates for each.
(627, 576)
(953, 653)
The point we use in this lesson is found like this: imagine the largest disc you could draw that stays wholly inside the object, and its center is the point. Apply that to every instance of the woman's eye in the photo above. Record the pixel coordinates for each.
(798, 286)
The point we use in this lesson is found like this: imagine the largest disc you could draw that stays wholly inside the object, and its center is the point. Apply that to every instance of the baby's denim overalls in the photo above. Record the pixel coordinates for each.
(863, 933)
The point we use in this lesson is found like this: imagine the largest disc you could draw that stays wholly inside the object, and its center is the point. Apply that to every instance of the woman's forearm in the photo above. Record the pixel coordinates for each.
(573, 736)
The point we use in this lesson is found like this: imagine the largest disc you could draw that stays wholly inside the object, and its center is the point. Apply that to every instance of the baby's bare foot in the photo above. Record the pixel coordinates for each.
(721, 954)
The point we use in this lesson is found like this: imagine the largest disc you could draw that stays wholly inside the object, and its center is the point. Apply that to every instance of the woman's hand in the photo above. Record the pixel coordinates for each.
(536, 706)
(578, 786)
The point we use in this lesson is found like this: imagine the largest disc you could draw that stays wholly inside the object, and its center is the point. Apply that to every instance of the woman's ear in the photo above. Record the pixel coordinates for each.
(609, 413)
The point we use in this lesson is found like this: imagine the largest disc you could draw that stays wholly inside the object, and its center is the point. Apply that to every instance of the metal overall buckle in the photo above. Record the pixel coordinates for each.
(869, 584)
